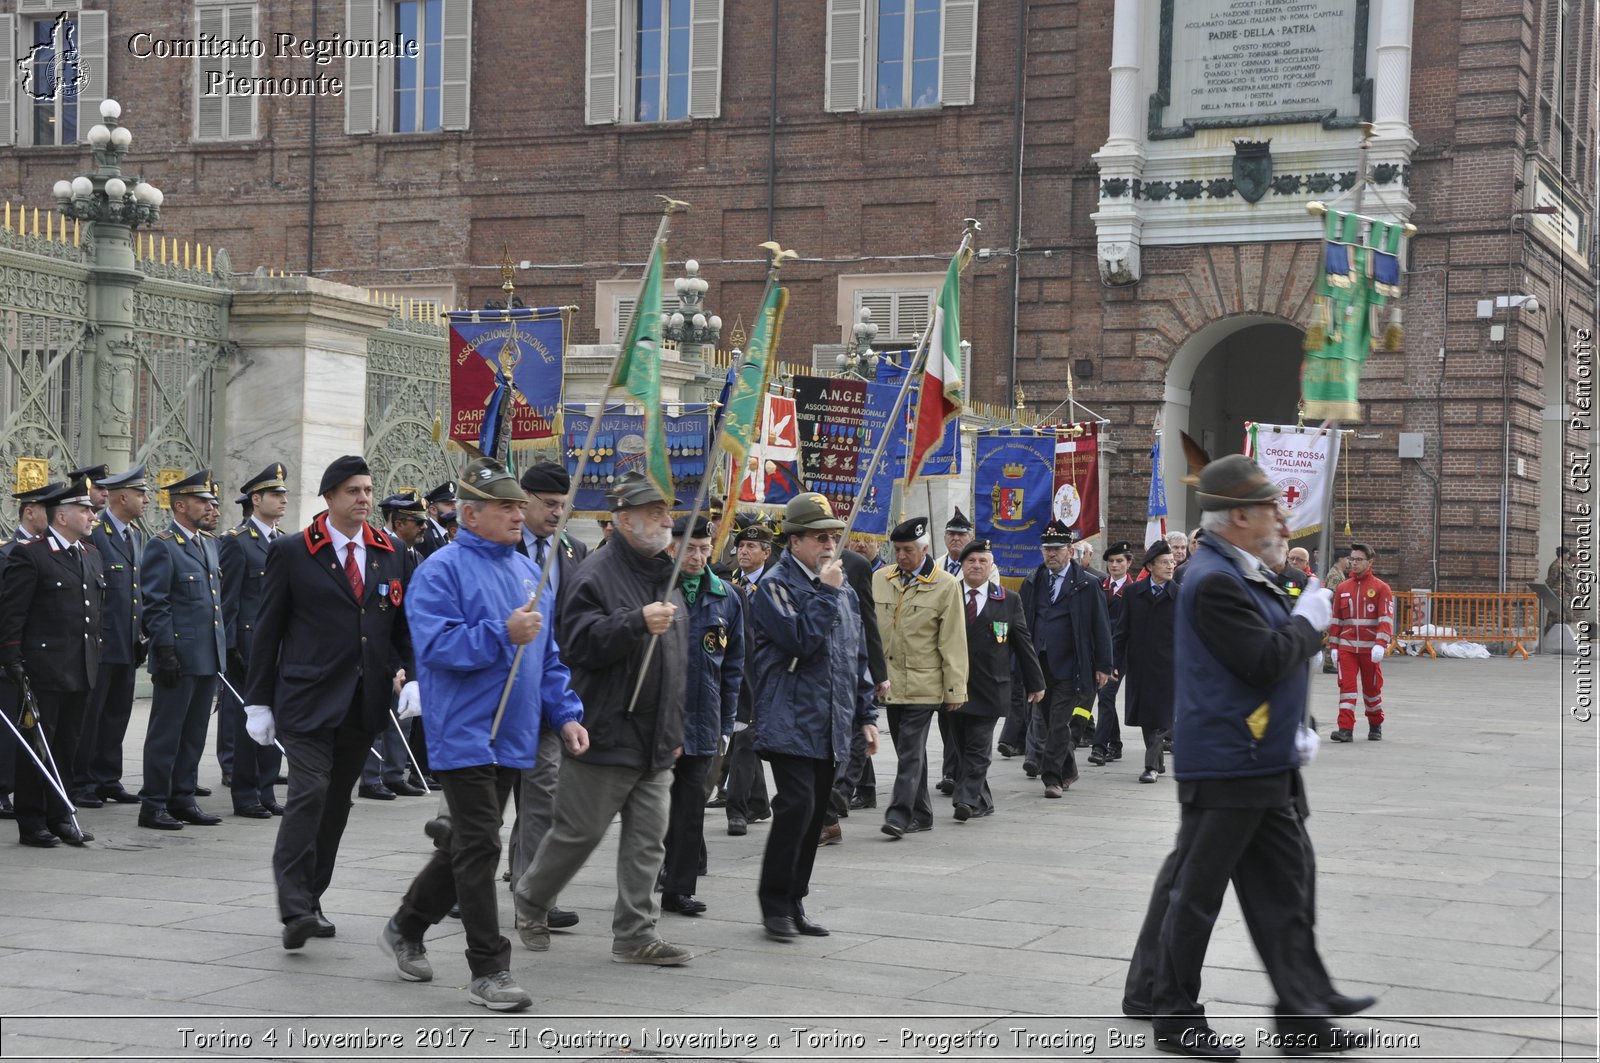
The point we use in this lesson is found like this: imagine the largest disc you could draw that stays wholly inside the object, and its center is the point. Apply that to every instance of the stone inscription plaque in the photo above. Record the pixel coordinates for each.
(1227, 63)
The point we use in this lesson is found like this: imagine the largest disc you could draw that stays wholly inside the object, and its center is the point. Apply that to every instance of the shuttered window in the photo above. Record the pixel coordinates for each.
(219, 114)
(899, 315)
(430, 87)
(653, 60)
(624, 313)
(900, 54)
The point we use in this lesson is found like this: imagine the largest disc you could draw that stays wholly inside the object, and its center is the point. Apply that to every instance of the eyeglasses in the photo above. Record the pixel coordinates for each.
(827, 537)
(549, 503)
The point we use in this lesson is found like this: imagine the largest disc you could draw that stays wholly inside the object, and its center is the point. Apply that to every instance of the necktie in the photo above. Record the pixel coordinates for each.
(1055, 586)
(127, 537)
(353, 571)
(539, 551)
(972, 604)
(1157, 589)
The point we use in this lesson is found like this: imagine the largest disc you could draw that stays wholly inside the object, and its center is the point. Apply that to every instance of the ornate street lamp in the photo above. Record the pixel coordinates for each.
(106, 195)
(690, 325)
(858, 358)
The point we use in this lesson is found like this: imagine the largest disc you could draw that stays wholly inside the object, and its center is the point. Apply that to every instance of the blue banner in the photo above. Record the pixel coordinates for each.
(873, 503)
(619, 448)
(1014, 483)
(946, 460)
(528, 346)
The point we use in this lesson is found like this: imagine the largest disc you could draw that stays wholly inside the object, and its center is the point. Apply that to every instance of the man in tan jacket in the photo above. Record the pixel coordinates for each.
(924, 631)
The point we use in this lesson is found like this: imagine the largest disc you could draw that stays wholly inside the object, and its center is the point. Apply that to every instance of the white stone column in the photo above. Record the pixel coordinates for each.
(1127, 101)
(1391, 78)
(1121, 159)
(299, 395)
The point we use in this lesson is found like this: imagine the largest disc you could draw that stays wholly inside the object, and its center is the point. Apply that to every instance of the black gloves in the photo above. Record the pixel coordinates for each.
(16, 673)
(141, 652)
(168, 671)
(236, 662)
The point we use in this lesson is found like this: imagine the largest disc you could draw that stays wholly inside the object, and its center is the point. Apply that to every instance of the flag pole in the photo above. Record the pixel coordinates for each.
(668, 205)
(914, 369)
(777, 254)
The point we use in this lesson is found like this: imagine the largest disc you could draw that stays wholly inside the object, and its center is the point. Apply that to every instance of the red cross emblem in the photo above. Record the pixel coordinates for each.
(1291, 495)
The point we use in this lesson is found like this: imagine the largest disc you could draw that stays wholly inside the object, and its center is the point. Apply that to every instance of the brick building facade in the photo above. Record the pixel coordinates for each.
(798, 143)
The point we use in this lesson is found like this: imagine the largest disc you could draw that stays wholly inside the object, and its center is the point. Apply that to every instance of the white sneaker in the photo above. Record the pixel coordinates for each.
(410, 957)
(656, 952)
(498, 992)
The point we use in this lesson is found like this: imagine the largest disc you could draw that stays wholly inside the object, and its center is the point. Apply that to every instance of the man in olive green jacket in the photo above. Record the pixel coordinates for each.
(924, 630)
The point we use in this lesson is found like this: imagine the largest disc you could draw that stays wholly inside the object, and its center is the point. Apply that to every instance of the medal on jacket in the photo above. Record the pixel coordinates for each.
(1001, 628)
(383, 596)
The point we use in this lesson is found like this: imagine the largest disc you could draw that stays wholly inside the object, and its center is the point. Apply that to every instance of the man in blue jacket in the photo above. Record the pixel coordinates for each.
(469, 609)
(716, 672)
(1242, 654)
(813, 691)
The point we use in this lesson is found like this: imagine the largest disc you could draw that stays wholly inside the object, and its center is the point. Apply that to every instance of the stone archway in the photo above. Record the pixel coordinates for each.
(1245, 367)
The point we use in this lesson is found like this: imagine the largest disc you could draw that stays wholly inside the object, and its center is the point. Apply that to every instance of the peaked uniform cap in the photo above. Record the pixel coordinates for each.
(1057, 534)
(445, 492)
(196, 485)
(406, 502)
(133, 478)
(272, 478)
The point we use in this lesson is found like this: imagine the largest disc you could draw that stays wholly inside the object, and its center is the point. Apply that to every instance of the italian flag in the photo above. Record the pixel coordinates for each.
(939, 396)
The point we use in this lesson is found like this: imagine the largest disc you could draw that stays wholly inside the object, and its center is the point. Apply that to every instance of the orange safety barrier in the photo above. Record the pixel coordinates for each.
(1433, 618)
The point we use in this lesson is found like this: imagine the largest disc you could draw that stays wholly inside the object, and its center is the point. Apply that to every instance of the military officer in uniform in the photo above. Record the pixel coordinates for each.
(91, 475)
(383, 776)
(331, 647)
(30, 525)
(50, 649)
(243, 555)
(98, 775)
(405, 516)
(181, 578)
(441, 504)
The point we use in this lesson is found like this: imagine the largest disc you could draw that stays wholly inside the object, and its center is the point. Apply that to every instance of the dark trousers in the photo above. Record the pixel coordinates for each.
(908, 726)
(1056, 736)
(98, 765)
(853, 775)
(747, 779)
(686, 824)
(1263, 851)
(255, 767)
(801, 797)
(176, 740)
(1107, 728)
(1014, 732)
(1155, 739)
(8, 741)
(972, 738)
(323, 768)
(391, 770)
(947, 740)
(230, 727)
(60, 717)
(466, 874)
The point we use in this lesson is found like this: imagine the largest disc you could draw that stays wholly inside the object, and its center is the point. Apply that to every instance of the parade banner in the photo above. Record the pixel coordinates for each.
(776, 451)
(1356, 280)
(1077, 479)
(943, 460)
(1014, 482)
(619, 447)
(638, 372)
(832, 419)
(1155, 526)
(744, 401)
(939, 393)
(526, 348)
(1302, 462)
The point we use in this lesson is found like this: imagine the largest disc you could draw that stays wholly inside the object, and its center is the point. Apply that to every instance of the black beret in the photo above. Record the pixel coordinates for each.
(702, 527)
(1159, 548)
(546, 478)
(341, 469)
(909, 531)
(976, 546)
(1123, 548)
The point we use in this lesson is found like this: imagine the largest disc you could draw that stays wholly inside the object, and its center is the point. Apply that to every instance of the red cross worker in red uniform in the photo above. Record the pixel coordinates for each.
(1363, 628)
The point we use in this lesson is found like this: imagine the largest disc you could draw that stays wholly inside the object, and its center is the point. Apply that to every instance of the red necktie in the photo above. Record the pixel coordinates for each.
(972, 603)
(353, 570)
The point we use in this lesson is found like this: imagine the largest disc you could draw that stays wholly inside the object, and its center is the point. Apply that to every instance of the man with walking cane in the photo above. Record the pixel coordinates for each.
(50, 649)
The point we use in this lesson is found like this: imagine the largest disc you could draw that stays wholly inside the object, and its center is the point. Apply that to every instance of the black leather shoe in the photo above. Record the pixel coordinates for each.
(838, 802)
(273, 807)
(761, 815)
(7, 809)
(325, 929)
(87, 799)
(918, 828)
(863, 801)
(560, 919)
(1030, 769)
(202, 791)
(158, 819)
(718, 801)
(682, 903)
(116, 795)
(1113, 754)
(194, 814)
(893, 831)
(376, 793)
(227, 780)
(408, 789)
(455, 911)
(947, 785)
(809, 928)
(63, 829)
(1133, 1009)
(431, 783)
(780, 927)
(253, 812)
(438, 828)
(1006, 751)
(39, 839)
(1339, 1004)
(963, 812)
(299, 930)
(737, 826)
(1201, 1042)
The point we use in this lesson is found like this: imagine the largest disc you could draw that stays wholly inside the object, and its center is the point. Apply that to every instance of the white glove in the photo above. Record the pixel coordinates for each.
(722, 745)
(1306, 741)
(1315, 604)
(739, 725)
(1333, 656)
(410, 701)
(258, 721)
(1377, 654)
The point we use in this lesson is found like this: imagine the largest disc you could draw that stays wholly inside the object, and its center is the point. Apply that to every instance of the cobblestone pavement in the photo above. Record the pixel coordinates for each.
(1457, 865)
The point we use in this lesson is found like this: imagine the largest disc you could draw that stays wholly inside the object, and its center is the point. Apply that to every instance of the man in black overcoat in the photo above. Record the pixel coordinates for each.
(50, 650)
(997, 639)
(1142, 647)
(331, 647)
